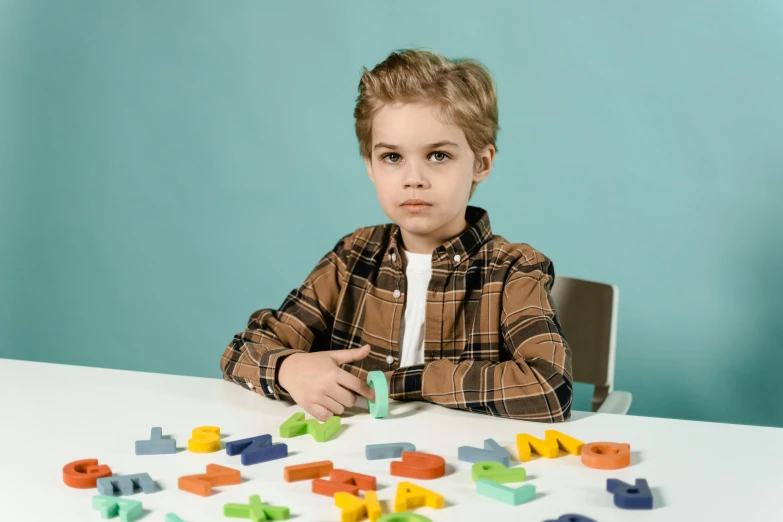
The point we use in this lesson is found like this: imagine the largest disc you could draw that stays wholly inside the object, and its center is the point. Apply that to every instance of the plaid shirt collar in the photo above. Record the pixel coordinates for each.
(464, 245)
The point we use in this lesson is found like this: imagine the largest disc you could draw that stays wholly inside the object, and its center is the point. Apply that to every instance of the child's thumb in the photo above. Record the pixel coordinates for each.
(351, 355)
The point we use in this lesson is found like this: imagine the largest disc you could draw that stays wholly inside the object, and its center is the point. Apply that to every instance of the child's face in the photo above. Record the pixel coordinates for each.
(405, 165)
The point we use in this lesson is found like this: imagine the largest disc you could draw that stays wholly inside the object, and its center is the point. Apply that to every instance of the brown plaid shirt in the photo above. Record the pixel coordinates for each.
(492, 344)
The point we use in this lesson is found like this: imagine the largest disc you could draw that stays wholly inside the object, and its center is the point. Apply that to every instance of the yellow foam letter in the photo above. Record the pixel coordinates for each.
(355, 508)
(410, 496)
(546, 448)
(206, 439)
(566, 443)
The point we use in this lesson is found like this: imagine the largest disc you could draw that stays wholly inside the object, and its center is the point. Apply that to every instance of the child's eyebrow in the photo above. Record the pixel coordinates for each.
(444, 143)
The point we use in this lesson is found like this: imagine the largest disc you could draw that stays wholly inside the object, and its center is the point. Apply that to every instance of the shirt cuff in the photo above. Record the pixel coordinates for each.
(406, 383)
(268, 367)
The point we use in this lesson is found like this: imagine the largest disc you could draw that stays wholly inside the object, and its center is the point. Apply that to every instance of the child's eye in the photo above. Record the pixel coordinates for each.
(443, 156)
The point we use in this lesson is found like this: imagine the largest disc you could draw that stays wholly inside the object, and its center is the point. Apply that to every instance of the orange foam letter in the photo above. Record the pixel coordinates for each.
(84, 473)
(419, 465)
(216, 475)
(606, 455)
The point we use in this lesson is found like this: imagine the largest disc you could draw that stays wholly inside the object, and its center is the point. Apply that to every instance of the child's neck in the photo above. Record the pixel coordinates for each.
(426, 244)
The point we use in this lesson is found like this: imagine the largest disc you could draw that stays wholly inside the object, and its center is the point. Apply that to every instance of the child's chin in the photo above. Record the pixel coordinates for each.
(419, 225)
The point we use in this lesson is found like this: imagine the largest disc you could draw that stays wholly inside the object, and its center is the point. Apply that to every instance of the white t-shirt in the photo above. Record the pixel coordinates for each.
(417, 272)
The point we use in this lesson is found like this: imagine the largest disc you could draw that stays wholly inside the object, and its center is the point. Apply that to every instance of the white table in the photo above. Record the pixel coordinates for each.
(53, 414)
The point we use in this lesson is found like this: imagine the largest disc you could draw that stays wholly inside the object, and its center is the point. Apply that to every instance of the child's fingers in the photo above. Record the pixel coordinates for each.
(332, 405)
(355, 384)
(348, 356)
(320, 413)
(361, 403)
(345, 397)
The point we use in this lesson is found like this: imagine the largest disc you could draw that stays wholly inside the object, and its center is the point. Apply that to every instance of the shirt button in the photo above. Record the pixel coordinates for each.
(394, 256)
(396, 294)
(457, 258)
(389, 359)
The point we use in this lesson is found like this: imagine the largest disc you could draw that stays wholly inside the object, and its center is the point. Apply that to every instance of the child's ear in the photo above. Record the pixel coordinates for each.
(368, 163)
(483, 164)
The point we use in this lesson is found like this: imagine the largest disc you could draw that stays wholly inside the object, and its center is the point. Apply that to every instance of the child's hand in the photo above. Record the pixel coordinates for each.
(318, 384)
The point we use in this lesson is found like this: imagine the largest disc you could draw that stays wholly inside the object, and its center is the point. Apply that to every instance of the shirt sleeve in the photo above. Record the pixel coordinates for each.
(304, 321)
(535, 384)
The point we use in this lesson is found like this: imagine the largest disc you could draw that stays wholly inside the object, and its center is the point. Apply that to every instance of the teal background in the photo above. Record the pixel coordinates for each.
(167, 168)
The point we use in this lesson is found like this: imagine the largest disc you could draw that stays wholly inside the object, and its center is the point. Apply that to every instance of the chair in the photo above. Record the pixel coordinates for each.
(588, 316)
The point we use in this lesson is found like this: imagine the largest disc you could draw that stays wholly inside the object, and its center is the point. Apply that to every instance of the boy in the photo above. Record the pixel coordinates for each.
(452, 313)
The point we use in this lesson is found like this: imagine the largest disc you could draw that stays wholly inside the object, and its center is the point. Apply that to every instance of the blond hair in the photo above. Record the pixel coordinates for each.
(462, 90)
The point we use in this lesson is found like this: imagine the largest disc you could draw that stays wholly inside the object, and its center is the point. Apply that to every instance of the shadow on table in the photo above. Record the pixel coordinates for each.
(579, 415)
(400, 410)
(397, 409)
(636, 458)
(223, 442)
(658, 501)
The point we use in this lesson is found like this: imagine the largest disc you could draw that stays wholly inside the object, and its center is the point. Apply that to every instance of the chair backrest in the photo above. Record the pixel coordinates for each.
(588, 315)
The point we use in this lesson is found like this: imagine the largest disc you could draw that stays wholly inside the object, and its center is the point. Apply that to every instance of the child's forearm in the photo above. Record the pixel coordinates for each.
(255, 365)
(534, 390)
